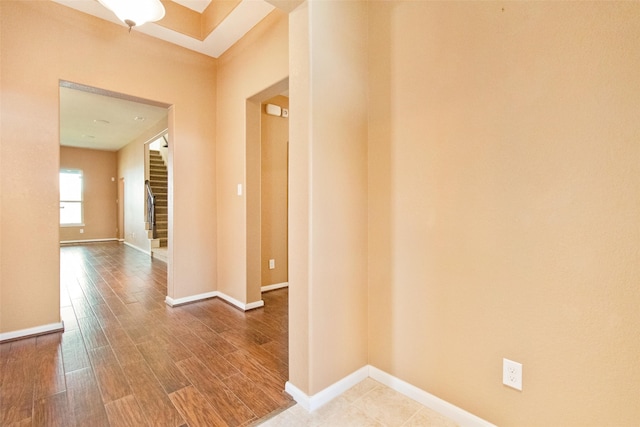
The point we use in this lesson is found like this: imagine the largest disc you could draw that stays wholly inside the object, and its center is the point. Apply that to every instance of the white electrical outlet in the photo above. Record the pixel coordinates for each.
(512, 374)
(272, 264)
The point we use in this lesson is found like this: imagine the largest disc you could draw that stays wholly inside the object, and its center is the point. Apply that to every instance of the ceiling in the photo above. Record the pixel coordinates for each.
(103, 121)
(236, 18)
(95, 119)
(197, 5)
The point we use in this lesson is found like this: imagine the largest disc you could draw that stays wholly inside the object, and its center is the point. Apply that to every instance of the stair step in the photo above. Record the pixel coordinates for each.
(158, 177)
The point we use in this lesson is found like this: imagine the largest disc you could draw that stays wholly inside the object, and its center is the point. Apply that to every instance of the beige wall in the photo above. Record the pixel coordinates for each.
(255, 63)
(499, 218)
(328, 193)
(100, 192)
(43, 42)
(504, 186)
(299, 198)
(274, 185)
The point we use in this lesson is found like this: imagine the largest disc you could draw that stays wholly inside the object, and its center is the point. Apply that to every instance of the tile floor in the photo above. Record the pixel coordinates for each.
(369, 403)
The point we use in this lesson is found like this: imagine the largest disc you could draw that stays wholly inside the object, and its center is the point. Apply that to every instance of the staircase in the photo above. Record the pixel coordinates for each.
(158, 180)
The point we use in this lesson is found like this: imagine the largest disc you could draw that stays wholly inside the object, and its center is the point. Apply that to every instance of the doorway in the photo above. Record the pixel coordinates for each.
(121, 199)
(267, 235)
(274, 173)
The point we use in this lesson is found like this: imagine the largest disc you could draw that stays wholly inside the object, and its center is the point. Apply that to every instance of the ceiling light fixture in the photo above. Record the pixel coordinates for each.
(136, 12)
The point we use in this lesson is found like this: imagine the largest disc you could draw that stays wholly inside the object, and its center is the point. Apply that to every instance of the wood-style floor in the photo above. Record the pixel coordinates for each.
(127, 359)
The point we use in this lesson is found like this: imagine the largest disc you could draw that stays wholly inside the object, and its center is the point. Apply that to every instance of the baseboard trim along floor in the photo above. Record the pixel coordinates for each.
(311, 403)
(274, 287)
(30, 332)
(173, 302)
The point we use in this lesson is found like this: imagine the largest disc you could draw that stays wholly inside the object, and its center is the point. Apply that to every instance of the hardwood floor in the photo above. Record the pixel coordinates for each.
(127, 359)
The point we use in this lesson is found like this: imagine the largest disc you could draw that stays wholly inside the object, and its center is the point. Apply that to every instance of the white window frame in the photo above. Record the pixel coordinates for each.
(81, 201)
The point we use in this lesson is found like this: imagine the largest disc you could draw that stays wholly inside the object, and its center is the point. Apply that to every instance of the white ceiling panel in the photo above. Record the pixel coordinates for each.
(197, 5)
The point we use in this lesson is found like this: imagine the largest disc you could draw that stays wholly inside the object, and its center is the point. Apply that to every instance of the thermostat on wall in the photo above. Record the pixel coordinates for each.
(274, 110)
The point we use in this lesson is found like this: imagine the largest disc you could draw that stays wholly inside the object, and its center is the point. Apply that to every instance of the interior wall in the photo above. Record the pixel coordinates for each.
(256, 62)
(274, 193)
(43, 42)
(504, 200)
(100, 192)
(328, 193)
(299, 198)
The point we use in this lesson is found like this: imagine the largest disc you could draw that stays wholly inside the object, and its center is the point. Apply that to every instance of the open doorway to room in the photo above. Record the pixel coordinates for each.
(274, 174)
(267, 164)
(120, 210)
(102, 137)
(267, 198)
(102, 141)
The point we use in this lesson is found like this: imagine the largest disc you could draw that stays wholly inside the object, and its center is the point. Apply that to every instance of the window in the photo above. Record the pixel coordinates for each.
(70, 197)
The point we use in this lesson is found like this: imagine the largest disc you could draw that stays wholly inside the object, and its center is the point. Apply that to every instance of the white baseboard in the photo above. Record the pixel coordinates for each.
(137, 248)
(29, 332)
(311, 403)
(242, 306)
(67, 242)
(252, 305)
(274, 287)
(459, 415)
(173, 302)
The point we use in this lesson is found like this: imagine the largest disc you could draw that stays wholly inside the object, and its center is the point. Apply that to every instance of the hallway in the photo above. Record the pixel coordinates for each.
(126, 358)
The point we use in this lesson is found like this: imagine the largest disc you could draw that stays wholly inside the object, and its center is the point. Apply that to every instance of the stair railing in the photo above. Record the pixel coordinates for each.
(151, 209)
